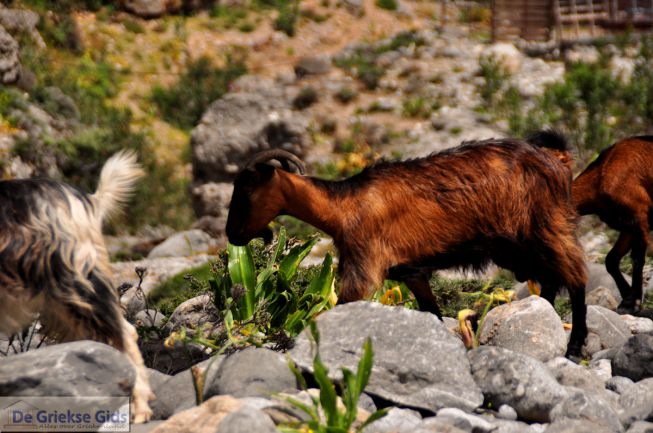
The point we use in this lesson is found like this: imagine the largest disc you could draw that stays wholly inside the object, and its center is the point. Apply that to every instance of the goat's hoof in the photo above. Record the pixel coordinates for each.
(574, 354)
(141, 416)
(628, 306)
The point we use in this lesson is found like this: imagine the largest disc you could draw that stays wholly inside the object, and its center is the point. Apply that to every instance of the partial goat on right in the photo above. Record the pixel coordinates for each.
(618, 187)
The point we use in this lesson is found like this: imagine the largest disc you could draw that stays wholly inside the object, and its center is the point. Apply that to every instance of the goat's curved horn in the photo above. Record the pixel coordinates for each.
(283, 156)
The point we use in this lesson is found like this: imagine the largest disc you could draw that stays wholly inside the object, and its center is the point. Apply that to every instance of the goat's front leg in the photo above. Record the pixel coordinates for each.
(418, 282)
(141, 393)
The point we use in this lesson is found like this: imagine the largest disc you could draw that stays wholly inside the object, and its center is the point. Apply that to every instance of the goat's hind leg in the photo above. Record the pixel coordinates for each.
(612, 260)
(417, 281)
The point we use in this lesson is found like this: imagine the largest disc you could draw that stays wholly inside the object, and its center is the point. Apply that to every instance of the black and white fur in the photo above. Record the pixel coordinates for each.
(54, 263)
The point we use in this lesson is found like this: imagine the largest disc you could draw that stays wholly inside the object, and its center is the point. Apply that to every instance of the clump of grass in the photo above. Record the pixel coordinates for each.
(495, 77)
(389, 5)
(183, 103)
(459, 294)
(306, 97)
(286, 21)
(346, 94)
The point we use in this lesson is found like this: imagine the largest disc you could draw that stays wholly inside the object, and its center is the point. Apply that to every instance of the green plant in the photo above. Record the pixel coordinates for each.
(346, 94)
(336, 419)
(484, 303)
(390, 5)
(264, 297)
(306, 97)
(495, 77)
(183, 103)
(288, 15)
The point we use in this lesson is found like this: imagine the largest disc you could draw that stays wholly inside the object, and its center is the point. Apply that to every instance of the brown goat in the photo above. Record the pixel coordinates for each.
(618, 187)
(504, 201)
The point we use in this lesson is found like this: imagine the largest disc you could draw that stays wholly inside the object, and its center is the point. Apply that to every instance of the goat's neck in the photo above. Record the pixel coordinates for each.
(312, 204)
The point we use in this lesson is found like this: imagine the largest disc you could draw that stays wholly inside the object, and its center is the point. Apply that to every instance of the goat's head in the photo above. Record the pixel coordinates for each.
(257, 198)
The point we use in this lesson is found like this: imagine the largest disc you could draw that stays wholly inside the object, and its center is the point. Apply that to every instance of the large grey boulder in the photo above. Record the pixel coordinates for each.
(635, 358)
(237, 126)
(587, 406)
(427, 371)
(605, 329)
(194, 313)
(81, 369)
(177, 393)
(9, 61)
(598, 276)
(637, 402)
(183, 244)
(252, 373)
(567, 425)
(641, 427)
(247, 420)
(518, 380)
(530, 326)
(151, 8)
(569, 373)
(396, 421)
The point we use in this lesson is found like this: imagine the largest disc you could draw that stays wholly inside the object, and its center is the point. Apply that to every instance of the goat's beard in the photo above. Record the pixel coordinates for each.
(266, 234)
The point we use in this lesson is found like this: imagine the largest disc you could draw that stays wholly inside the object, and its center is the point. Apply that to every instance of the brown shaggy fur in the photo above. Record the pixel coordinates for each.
(504, 201)
(618, 187)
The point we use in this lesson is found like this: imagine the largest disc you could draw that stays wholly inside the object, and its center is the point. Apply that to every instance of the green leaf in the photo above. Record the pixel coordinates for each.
(374, 417)
(290, 263)
(242, 271)
(364, 366)
(308, 410)
(350, 396)
(281, 244)
(321, 285)
(299, 377)
(328, 396)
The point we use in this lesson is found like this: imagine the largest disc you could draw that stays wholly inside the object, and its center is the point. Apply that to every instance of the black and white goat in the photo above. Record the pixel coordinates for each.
(54, 263)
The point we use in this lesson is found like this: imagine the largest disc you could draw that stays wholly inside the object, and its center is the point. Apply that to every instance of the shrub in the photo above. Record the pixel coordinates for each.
(390, 5)
(288, 15)
(306, 97)
(346, 94)
(494, 76)
(183, 103)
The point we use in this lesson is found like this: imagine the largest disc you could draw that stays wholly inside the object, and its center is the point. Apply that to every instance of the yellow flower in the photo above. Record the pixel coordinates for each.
(392, 296)
(465, 327)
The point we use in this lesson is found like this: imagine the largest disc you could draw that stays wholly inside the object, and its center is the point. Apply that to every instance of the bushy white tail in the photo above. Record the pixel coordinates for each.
(117, 181)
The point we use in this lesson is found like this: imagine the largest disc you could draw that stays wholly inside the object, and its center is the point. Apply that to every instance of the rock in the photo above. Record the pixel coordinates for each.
(194, 313)
(396, 421)
(465, 421)
(252, 373)
(212, 199)
(637, 402)
(602, 296)
(635, 358)
(22, 21)
(587, 406)
(183, 244)
(598, 276)
(638, 325)
(208, 417)
(177, 393)
(530, 326)
(436, 376)
(622, 68)
(9, 61)
(507, 377)
(568, 373)
(641, 427)
(506, 53)
(313, 65)
(607, 326)
(582, 54)
(602, 369)
(507, 412)
(151, 8)
(214, 226)
(619, 384)
(237, 126)
(79, 369)
(575, 426)
(149, 318)
(247, 420)
(505, 426)
(355, 7)
(437, 425)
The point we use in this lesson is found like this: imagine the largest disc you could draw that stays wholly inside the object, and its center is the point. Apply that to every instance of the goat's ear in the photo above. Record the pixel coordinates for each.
(265, 171)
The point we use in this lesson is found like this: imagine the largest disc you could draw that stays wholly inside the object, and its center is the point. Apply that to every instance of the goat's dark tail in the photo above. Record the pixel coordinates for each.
(553, 141)
(550, 139)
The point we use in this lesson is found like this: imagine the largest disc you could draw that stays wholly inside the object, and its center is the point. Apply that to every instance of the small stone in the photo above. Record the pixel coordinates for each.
(507, 412)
